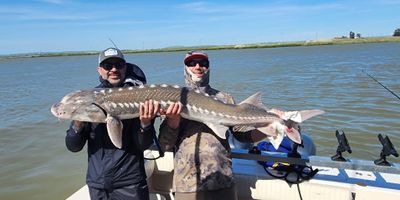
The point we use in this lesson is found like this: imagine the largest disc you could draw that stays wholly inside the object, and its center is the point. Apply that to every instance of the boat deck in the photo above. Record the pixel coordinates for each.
(254, 183)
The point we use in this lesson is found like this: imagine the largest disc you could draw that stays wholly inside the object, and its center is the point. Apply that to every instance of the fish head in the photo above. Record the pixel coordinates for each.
(79, 106)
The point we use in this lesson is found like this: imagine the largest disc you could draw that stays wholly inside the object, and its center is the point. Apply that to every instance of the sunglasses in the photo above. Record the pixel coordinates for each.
(109, 66)
(202, 63)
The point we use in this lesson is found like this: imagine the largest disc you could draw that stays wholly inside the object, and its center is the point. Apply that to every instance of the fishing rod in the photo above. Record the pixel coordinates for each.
(113, 43)
(382, 85)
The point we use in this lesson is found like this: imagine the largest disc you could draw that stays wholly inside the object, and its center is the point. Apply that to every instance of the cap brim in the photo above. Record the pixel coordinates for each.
(198, 56)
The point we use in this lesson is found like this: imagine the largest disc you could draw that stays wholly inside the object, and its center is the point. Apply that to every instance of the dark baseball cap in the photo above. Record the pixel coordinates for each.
(111, 53)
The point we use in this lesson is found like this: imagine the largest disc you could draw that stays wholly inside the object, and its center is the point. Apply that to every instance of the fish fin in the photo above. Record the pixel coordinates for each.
(276, 140)
(272, 129)
(293, 135)
(114, 129)
(269, 130)
(301, 116)
(254, 100)
(282, 130)
(307, 114)
(219, 130)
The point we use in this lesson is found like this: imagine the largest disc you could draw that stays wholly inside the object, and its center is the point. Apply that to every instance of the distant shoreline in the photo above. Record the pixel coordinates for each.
(335, 41)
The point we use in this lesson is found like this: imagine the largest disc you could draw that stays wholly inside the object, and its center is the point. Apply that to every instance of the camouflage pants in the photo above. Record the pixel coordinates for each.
(228, 193)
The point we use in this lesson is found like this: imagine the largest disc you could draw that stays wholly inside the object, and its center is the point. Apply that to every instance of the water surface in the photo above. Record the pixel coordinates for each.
(35, 163)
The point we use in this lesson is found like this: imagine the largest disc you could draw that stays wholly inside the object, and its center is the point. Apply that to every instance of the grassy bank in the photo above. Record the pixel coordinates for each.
(336, 41)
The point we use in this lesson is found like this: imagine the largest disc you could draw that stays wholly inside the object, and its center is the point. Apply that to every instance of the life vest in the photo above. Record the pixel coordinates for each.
(285, 147)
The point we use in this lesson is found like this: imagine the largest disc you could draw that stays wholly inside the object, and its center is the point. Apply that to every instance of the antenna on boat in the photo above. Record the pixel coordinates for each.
(342, 147)
(382, 85)
(387, 150)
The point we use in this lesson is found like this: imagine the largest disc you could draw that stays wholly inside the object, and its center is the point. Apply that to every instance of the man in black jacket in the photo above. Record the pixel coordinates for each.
(115, 173)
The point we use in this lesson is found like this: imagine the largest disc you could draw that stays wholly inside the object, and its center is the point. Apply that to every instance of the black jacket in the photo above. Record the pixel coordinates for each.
(110, 167)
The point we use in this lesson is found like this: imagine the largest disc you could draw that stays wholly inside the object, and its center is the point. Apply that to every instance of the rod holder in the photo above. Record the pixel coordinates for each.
(387, 150)
(342, 147)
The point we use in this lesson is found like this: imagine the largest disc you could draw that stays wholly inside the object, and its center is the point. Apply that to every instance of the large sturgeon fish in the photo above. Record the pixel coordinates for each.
(111, 105)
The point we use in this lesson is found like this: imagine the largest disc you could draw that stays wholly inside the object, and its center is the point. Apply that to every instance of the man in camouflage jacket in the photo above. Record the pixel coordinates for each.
(203, 167)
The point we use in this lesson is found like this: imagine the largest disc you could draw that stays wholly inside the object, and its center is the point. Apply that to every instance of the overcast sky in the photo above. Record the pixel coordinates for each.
(77, 25)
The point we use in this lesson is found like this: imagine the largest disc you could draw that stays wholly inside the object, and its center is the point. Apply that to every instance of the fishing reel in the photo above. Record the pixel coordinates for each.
(342, 147)
(387, 150)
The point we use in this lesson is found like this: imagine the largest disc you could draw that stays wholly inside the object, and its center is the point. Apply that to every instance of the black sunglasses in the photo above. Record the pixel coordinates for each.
(202, 63)
(108, 66)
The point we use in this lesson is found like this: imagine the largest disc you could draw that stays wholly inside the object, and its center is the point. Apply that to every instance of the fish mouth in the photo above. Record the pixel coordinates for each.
(55, 110)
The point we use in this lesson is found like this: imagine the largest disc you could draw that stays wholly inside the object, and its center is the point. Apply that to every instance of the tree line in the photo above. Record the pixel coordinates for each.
(396, 32)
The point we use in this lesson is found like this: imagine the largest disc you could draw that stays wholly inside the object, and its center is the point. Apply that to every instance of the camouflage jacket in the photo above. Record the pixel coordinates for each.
(202, 159)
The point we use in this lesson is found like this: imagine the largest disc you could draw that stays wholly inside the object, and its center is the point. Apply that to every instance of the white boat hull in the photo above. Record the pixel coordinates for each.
(254, 183)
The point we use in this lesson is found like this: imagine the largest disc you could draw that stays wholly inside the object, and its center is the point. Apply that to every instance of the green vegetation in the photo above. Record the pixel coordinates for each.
(335, 41)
